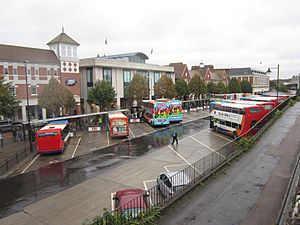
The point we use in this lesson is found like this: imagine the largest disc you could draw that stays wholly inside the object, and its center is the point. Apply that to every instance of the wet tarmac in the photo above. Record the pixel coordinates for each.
(25, 189)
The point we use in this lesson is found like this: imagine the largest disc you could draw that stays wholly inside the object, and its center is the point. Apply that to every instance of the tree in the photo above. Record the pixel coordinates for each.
(246, 86)
(137, 90)
(102, 95)
(234, 86)
(165, 88)
(197, 86)
(8, 102)
(273, 84)
(56, 97)
(182, 88)
(283, 88)
(211, 88)
(221, 88)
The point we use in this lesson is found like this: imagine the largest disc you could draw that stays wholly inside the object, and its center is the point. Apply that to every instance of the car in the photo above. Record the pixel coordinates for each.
(171, 182)
(130, 202)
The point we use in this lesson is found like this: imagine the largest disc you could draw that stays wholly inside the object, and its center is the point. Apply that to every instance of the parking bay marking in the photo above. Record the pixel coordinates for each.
(76, 147)
(214, 133)
(166, 167)
(207, 146)
(131, 132)
(30, 164)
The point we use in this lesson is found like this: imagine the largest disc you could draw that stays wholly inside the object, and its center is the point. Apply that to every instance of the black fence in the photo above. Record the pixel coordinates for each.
(192, 105)
(15, 159)
(171, 188)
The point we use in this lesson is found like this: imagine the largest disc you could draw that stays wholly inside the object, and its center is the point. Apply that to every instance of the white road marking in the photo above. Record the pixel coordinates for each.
(131, 132)
(179, 155)
(145, 181)
(193, 135)
(149, 126)
(30, 164)
(214, 133)
(107, 135)
(166, 167)
(207, 146)
(76, 147)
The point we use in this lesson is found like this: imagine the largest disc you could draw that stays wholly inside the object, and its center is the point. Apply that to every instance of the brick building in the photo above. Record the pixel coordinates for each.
(39, 65)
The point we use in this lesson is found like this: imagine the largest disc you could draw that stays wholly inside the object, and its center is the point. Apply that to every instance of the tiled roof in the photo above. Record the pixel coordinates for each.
(10, 53)
(178, 69)
(62, 38)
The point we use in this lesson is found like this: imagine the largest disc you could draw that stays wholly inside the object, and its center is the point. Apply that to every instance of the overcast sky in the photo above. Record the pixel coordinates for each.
(231, 33)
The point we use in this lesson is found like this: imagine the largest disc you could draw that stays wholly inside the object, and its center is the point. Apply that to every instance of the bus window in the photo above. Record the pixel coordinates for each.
(228, 124)
(235, 125)
(254, 110)
(242, 111)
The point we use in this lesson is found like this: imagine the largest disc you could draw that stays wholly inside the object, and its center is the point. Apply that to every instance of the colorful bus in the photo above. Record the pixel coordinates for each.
(234, 119)
(53, 137)
(156, 113)
(118, 124)
(175, 109)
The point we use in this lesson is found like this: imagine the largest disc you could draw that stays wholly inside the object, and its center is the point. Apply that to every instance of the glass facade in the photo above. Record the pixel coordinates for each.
(107, 75)
(126, 79)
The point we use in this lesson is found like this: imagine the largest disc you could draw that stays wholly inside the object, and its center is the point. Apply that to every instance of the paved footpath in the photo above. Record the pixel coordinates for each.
(251, 190)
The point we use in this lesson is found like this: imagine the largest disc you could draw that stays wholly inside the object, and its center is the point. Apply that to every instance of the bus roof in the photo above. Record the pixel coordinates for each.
(247, 102)
(54, 126)
(261, 98)
(59, 122)
(116, 115)
(235, 105)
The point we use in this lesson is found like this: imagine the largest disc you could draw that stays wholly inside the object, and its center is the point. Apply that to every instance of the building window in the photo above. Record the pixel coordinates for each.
(33, 90)
(126, 78)
(75, 52)
(107, 75)
(15, 70)
(28, 70)
(156, 77)
(12, 90)
(36, 70)
(63, 50)
(48, 73)
(69, 51)
(89, 77)
(6, 71)
(144, 74)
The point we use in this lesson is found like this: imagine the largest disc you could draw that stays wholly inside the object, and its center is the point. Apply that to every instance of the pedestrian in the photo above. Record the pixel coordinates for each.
(174, 135)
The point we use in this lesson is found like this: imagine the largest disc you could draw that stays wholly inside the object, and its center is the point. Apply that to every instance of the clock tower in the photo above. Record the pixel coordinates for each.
(65, 49)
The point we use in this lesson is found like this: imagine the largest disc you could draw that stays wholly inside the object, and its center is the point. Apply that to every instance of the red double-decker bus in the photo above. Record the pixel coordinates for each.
(259, 98)
(234, 119)
(268, 106)
(53, 137)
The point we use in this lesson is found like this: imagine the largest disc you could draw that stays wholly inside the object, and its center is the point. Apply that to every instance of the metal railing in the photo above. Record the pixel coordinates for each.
(14, 159)
(197, 172)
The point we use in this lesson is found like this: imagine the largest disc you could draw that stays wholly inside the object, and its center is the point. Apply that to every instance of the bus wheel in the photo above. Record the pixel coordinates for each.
(235, 136)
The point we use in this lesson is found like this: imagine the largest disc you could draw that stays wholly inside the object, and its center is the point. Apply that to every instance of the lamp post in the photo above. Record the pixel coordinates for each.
(27, 108)
(277, 82)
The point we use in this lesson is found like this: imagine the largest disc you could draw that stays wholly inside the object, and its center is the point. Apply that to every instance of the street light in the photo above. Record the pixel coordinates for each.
(27, 108)
(277, 85)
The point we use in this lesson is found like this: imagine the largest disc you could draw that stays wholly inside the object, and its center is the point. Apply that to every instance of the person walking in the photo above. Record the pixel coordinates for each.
(174, 135)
